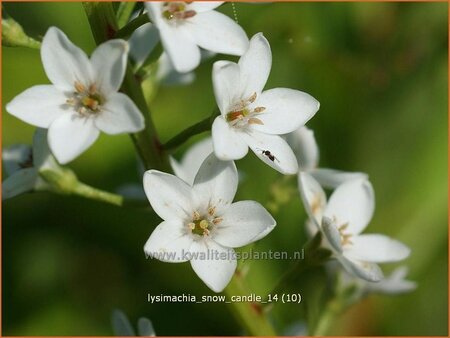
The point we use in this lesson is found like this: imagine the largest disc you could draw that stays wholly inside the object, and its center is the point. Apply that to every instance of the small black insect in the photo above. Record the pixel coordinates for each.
(269, 155)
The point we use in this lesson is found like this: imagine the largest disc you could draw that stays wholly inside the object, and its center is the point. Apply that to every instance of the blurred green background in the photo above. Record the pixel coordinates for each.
(380, 73)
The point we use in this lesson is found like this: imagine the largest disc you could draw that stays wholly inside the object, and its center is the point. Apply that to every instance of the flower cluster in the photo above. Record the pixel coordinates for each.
(196, 205)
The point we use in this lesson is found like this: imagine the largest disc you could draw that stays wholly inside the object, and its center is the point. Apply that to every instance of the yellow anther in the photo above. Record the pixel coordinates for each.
(196, 216)
(79, 87)
(254, 120)
(211, 211)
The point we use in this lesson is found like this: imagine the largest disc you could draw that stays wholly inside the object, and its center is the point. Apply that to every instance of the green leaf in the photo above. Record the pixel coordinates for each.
(124, 12)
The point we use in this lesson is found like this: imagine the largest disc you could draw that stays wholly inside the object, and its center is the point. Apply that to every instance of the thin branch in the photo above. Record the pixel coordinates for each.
(129, 28)
(199, 127)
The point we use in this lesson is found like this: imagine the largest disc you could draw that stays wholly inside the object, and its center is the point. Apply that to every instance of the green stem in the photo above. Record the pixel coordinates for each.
(332, 310)
(291, 273)
(250, 315)
(89, 192)
(199, 127)
(344, 297)
(124, 12)
(103, 23)
(129, 28)
(64, 181)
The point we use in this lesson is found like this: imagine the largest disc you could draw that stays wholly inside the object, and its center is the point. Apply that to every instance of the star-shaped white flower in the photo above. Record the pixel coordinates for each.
(83, 99)
(253, 118)
(201, 224)
(342, 219)
(184, 27)
(22, 164)
(304, 145)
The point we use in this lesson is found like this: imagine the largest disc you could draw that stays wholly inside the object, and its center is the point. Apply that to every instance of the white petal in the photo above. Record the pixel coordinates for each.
(228, 143)
(214, 264)
(167, 74)
(64, 63)
(142, 42)
(18, 183)
(154, 9)
(203, 6)
(192, 160)
(217, 32)
(70, 135)
(226, 77)
(169, 196)
(119, 115)
(284, 159)
(311, 228)
(255, 65)
(14, 156)
(332, 234)
(331, 178)
(179, 46)
(368, 271)
(169, 242)
(304, 145)
(352, 202)
(39, 105)
(286, 110)
(313, 197)
(243, 223)
(377, 249)
(109, 62)
(395, 283)
(215, 184)
(182, 51)
(42, 156)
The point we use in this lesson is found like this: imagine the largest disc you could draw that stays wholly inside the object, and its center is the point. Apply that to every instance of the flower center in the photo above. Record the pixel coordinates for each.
(177, 11)
(86, 100)
(345, 237)
(242, 114)
(202, 225)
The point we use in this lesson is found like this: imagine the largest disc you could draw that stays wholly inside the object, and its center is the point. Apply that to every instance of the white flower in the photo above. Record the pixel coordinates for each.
(304, 145)
(342, 219)
(186, 26)
(83, 99)
(189, 165)
(22, 164)
(253, 118)
(201, 224)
